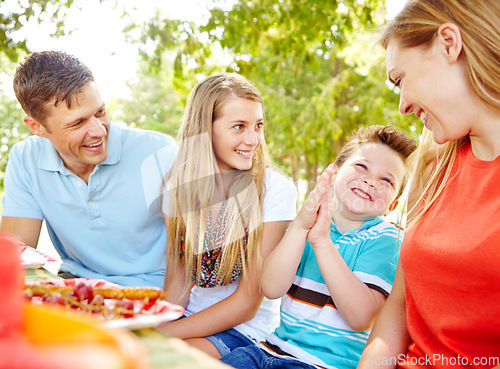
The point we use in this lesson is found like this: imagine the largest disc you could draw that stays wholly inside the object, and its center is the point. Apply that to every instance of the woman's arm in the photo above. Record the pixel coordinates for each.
(389, 338)
(237, 308)
(176, 287)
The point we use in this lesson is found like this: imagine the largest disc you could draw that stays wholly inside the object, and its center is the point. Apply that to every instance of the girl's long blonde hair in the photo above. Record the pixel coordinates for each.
(194, 182)
(417, 25)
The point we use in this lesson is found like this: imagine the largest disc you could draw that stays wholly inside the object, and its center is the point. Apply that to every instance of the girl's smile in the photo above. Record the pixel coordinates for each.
(237, 133)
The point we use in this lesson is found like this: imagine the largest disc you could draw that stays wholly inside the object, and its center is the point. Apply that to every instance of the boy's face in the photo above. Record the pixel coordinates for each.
(368, 182)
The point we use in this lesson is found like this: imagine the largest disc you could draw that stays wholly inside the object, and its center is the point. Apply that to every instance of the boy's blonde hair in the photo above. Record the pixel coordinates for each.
(385, 135)
(194, 178)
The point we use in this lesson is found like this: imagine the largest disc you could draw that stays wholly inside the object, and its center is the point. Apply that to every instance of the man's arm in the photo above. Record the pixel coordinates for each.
(26, 230)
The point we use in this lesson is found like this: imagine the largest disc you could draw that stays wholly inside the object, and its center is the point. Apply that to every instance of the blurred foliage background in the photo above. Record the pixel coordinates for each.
(316, 63)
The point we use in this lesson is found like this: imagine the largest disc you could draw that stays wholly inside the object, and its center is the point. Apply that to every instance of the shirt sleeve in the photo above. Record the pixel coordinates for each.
(153, 171)
(376, 264)
(18, 200)
(280, 200)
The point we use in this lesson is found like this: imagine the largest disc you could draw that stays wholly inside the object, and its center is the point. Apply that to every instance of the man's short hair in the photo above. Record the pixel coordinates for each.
(47, 78)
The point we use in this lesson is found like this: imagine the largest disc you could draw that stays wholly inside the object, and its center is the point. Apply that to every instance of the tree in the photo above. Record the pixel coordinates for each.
(154, 104)
(296, 52)
(15, 14)
(12, 127)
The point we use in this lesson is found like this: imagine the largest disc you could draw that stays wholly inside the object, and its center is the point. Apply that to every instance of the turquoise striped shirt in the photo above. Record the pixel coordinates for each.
(311, 328)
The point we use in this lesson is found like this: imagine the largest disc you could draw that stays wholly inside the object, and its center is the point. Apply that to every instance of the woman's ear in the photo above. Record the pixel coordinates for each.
(35, 126)
(449, 40)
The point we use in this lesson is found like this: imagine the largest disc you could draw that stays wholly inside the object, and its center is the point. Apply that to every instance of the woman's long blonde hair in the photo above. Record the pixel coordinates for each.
(417, 25)
(192, 184)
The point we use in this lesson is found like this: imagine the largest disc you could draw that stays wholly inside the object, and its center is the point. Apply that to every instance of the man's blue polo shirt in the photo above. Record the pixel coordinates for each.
(111, 228)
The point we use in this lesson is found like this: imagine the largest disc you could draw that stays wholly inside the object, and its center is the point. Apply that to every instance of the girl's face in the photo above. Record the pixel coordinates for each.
(368, 182)
(237, 132)
(433, 88)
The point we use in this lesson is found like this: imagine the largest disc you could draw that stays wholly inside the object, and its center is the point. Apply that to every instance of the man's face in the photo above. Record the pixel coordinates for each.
(79, 134)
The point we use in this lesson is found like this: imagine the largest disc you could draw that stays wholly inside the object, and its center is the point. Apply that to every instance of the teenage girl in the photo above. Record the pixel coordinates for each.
(226, 208)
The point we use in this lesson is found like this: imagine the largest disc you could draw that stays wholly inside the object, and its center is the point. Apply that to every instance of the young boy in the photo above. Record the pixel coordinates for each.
(334, 276)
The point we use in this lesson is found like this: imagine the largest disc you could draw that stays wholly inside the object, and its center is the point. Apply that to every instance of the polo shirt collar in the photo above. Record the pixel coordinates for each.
(51, 161)
(114, 145)
(368, 224)
(49, 158)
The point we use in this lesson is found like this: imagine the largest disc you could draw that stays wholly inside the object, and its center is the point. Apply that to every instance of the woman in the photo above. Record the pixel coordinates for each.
(227, 209)
(444, 308)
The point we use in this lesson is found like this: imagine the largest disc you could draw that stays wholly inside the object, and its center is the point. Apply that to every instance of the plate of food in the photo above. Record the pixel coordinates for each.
(44, 336)
(32, 258)
(116, 306)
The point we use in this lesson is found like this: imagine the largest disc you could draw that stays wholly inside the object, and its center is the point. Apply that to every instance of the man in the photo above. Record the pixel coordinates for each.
(96, 184)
